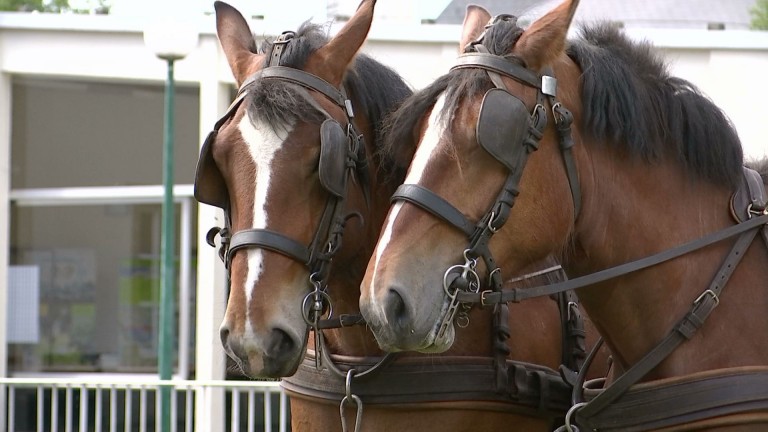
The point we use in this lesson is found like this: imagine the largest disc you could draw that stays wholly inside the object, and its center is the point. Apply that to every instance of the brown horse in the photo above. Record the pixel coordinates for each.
(295, 164)
(613, 161)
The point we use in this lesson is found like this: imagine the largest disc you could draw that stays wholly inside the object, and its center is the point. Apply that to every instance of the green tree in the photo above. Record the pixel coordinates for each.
(55, 6)
(759, 14)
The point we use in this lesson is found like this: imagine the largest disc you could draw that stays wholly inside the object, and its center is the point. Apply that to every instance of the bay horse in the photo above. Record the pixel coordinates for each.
(589, 150)
(295, 161)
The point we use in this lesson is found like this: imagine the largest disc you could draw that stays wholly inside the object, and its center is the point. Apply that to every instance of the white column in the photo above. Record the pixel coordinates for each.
(211, 290)
(5, 222)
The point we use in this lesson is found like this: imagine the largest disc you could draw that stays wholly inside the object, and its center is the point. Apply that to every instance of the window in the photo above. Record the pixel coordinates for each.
(86, 169)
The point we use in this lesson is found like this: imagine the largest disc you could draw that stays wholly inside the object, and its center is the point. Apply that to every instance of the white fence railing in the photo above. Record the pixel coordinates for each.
(98, 405)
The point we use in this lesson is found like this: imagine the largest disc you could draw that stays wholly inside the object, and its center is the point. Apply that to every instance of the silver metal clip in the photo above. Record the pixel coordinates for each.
(351, 398)
(348, 106)
(549, 85)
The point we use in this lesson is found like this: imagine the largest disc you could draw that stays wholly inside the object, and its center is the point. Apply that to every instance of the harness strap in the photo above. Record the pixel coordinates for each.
(683, 400)
(518, 294)
(684, 330)
(531, 390)
(304, 79)
(563, 120)
(267, 239)
(434, 204)
(574, 349)
(343, 320)
(492, 62)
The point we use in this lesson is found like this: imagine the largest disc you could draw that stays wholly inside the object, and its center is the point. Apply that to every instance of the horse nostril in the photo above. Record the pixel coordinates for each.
(395, 309)
(279, 345)
(224, 334)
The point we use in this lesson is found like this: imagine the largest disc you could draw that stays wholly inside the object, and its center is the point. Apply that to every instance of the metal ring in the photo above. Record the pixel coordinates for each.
(306, 310)
(462, 320)
(569, 414)
(751, 212)
(446, 285)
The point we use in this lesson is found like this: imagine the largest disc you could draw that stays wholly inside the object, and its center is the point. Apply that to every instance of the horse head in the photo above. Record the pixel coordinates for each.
(291, 164)
(476, 127)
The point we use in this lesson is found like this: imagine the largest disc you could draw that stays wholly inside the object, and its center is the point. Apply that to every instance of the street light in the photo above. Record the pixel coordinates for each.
(170, 40)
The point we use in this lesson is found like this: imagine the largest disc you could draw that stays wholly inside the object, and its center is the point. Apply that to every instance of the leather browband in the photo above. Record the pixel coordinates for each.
(303, 79)
(498, 64)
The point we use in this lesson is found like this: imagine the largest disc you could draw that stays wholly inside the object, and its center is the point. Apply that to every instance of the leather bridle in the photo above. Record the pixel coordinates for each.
(500, 107)
(462, 284)
(343, 155)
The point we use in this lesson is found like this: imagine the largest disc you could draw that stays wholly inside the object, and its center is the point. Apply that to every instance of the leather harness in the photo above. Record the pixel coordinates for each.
(607, 407)
(483, 383)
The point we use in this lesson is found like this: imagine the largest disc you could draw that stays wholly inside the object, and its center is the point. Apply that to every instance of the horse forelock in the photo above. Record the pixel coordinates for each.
(631, 101)
(375, 89)
(458, 86)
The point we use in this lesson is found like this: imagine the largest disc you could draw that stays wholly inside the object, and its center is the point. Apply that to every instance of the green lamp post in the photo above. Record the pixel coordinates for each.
(170, 41)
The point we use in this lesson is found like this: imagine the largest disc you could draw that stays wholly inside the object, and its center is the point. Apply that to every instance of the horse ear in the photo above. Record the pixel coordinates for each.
(236, 41)
(475, 20)
(544, 40)
(335, 57)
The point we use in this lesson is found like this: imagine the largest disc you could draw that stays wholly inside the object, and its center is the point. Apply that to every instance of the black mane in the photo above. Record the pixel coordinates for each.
(375, 88)
(629, 100)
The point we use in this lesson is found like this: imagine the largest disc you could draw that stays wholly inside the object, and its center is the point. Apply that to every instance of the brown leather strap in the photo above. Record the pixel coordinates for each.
(683, 400)
(533, 390)
(684, 330)
(519, 294)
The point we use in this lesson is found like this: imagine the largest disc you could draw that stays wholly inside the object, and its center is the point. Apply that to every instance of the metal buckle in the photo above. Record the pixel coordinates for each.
(710, 292)
(484, 298)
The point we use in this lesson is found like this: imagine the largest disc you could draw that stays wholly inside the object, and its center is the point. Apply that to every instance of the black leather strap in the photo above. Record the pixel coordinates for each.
(679, 401)
(519, 294)
(498, 64)
(532, 390)
(434, 204)
(268, 239)
(563, 120)
(304, 79)
(684, 330)
(343, 320)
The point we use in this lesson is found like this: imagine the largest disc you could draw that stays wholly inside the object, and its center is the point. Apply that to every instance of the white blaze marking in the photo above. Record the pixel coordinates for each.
(427, 147)
(262, 143)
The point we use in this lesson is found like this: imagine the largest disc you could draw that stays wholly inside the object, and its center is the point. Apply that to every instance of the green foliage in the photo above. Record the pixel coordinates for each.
(54, 6)
(759, 14)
